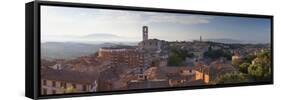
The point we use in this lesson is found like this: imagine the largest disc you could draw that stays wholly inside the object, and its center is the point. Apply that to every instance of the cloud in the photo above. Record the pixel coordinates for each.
(77, 22)
(180, 19)
(140, 17)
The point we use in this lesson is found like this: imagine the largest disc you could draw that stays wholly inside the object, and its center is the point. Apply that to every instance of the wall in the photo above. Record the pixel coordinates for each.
(12, 49)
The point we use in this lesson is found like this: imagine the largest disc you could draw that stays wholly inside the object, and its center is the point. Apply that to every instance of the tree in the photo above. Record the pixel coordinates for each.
(174, 60)
(210, 48)
(227, 54)
(249, 58)
(244, 67)
(261, 69)
(233, 77)
(215, 54)
(256, 71)
(177, 56)
(259, 72)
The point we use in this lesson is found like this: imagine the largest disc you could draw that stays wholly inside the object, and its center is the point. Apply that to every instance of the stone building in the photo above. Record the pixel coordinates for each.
(62, 81)
(122, 55)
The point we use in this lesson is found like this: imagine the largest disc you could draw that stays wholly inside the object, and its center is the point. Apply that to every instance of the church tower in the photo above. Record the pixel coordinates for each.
(144, 33)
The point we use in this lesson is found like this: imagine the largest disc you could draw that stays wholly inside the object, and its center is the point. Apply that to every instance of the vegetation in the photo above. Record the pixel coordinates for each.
(177, 56)
(244, 67)
(215, 54)
(249, 58)
(234, 77)
(174, 60)
(252, 67)
(258, 67)
(259, 72)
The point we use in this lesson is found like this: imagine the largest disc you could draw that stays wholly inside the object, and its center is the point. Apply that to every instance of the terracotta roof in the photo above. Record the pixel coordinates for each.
(194, 83)
(176, 76)
(68, 76)
(148, 84)
(173, 69)
(109, 74)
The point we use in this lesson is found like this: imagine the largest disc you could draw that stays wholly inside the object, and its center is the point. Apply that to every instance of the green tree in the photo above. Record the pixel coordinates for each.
(215, 54)
(174, 60)
(177, 56)
(210, 48)
(244, 67)
(233, 77)
(249, 58)
(261, 69)
(259, 72)
(256, 71)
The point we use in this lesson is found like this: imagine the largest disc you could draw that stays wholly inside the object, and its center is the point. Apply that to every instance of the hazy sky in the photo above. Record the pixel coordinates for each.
(75, 24)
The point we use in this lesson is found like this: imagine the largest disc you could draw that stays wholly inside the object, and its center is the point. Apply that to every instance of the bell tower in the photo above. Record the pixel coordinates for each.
(145, 33)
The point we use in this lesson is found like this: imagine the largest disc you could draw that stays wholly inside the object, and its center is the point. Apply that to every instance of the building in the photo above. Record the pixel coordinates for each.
(202, 72)
(153, 50)
(150, 44)
(143, 55)
(144, 84)
(237, 56)
(62, 81)
(122, 55)
(145, 33)
(107, 78)
(217, 68)
(183, 76)
(199, 82)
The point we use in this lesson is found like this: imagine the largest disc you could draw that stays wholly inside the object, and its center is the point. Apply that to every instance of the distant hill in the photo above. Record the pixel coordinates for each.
(107, 36)
(230, 41)
(69, 50)
(101, 35)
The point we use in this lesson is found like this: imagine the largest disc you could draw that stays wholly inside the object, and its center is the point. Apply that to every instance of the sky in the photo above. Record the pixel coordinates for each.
(62, 24)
